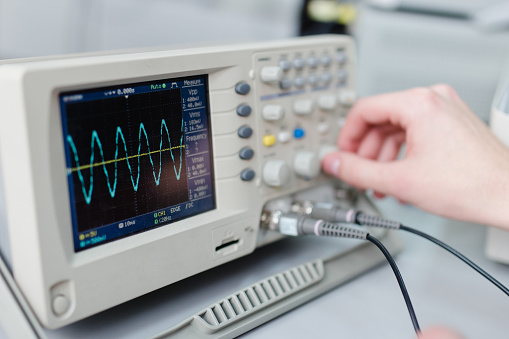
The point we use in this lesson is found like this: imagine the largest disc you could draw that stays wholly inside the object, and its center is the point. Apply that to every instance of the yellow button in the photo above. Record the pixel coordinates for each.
(269, 140)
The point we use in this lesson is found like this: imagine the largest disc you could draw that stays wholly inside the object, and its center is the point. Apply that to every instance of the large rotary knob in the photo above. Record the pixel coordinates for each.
(326, 149)
(306, 164)
(276, 173)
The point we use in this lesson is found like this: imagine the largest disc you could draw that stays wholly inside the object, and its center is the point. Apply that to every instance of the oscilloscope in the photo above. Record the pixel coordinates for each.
(124, 173)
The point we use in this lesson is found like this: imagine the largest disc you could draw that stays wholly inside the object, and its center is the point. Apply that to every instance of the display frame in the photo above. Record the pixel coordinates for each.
(96, 236)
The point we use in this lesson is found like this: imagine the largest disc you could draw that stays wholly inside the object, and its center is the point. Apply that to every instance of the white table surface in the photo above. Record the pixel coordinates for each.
(444, 291)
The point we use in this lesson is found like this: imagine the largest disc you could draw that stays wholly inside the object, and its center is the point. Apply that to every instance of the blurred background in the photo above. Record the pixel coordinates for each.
(401, 43)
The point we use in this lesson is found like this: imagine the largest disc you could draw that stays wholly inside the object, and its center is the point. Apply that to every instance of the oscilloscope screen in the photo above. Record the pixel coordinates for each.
(138, 156)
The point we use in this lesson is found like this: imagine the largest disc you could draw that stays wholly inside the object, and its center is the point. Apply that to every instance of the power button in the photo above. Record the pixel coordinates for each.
(60, 304)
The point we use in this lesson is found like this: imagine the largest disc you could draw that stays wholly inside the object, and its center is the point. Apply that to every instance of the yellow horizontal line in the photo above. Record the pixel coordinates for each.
(74, 169)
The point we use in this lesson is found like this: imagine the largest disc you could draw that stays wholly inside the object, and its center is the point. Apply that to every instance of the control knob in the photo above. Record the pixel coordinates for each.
(271, 74)
(306, 164)
(276, 173)
(326, 149)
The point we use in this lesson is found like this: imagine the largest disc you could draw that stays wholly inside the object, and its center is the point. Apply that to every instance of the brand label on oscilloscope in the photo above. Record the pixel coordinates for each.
(69, 98)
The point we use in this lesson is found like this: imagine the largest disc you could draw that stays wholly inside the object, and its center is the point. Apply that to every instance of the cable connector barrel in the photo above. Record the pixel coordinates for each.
(326, 211)
(336, 214)
(375, 221)
(295, 225)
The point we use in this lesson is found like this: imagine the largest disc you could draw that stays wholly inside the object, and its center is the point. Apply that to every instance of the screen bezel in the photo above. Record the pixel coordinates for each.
(134, 83)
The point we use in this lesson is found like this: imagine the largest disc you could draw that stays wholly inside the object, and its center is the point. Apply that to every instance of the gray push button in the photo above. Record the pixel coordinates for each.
(286, 83)
(341, 58)
(326, 78)
(246, 153)
(245, 132)
(313, 80)
(325, 60)
(342, 75)
(299, 82)
(242, 88)
(247, 174)
(285, 65)
(299, 63)
(244, 110)
(313, 61)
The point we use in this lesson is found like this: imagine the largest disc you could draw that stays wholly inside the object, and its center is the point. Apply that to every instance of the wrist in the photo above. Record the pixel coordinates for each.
(494, 209)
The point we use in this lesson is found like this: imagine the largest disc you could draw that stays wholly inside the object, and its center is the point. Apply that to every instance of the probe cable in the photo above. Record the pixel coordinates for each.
(333, 213)
(401, 283)
(459, 256)
(298, 225)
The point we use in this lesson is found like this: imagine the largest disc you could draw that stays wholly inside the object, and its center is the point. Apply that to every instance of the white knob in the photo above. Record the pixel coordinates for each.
(347, 98)
(323, 127)
(326, 149)
(276, 173)
(327, 102)
(271, 74)
(284, 136)
(273, 112)
(303, 106)
(306, 164)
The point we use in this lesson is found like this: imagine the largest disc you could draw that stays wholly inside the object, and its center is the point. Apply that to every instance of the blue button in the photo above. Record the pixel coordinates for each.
(246, 153)
(247, 174)
(299, 133)
(245, 132)
(242, 88)
(244, 110)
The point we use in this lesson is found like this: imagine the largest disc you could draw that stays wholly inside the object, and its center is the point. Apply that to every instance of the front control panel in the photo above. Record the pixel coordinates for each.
(287, 113)
(303, 95)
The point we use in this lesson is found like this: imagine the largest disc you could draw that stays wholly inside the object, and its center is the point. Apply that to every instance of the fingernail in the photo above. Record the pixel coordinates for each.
(331, 165)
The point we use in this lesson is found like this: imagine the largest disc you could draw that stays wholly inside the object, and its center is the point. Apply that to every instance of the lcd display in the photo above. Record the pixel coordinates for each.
(138, 156)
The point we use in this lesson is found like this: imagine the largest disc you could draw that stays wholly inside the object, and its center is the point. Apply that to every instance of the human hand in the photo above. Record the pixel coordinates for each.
(453, 165)
(439, 333)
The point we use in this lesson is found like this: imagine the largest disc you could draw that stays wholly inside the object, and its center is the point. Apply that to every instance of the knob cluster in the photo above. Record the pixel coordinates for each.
(316, 76)
(305, 164)
(301, 95)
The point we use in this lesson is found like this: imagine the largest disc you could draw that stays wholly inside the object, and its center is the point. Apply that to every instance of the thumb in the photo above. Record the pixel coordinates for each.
(361, 172)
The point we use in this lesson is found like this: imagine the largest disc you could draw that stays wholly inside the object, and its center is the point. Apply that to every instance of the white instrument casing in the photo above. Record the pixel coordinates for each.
(63, 286)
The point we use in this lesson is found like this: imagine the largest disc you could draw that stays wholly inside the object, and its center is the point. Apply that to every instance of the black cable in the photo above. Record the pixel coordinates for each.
(298, 225)
(459, 256)
(401, 283)
(369, 220)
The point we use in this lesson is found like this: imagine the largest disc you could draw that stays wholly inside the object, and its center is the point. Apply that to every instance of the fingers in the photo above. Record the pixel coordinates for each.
(386, 109)
(439, 333)
(389, 151)
(391, 146)
(446, 92)
(374, 140)
(361, 172)
(399, 109)
(449, 93)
